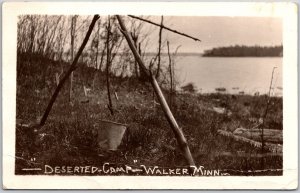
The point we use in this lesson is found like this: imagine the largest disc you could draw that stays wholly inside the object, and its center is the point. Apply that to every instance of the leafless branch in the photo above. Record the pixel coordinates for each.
(167, 28)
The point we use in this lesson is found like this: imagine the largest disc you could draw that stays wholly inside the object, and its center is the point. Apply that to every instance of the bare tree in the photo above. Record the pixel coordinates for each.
(51, 37)
(135, 33)
(26, 33)
(68, 73)
(127, 64)
(60, 41)
(73, 28)
(95, 43)
(32, 33)
(95, 51)
(171, 70)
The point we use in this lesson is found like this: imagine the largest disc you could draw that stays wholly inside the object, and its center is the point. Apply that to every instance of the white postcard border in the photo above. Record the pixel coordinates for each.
(288, 11)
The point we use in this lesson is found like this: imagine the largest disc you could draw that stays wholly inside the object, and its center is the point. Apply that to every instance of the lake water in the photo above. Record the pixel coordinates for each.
(236, 74)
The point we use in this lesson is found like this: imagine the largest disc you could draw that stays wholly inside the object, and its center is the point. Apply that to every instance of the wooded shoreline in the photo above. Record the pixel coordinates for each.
(245, 51)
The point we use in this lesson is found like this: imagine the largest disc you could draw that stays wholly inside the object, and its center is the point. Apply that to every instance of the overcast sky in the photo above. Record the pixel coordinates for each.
(217, 31)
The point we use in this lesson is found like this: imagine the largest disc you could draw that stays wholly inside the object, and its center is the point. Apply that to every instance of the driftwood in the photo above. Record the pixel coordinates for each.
(176, 130)
(244, 154)
(272, 147)
(238, 154)
(116, 95)
(270, 135)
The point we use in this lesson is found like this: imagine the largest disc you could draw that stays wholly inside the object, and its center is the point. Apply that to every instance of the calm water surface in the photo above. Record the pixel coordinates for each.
(236, 74)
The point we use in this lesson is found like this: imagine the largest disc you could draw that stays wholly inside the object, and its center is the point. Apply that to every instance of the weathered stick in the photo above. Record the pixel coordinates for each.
(73, 27)
(167, 28)
(70, 70)
(110, 107)
(116, 95)
(171, 76)
(56, 78)
(159, 47)
(265, 113)
(135, 40)
(176, 130)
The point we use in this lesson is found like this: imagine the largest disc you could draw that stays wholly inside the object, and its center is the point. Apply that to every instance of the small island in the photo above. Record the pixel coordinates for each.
(245, 51)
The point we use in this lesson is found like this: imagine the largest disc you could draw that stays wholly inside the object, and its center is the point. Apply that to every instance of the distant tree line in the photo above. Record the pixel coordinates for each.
(245, 51)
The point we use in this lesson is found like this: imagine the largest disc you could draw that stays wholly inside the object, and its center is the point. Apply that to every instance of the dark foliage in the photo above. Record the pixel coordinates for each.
(245, 51)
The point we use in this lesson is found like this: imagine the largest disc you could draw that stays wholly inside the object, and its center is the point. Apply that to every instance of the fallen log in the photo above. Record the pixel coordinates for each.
(276, 148)
(244, 154)
(270, 135)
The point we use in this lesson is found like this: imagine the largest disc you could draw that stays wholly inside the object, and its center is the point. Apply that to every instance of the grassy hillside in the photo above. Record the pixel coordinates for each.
(68, 138)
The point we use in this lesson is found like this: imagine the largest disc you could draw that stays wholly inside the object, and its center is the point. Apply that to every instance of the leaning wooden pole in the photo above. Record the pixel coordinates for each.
(73, 28)
(159, 47)
(68, 73)
(166, 28)
(110, 107)
(171, 76)
(176, 130)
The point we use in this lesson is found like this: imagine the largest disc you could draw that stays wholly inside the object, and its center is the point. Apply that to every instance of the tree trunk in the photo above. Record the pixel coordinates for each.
(96, 58)
(97, 49)
(135, 40)
(102, 56)
(137, 66)
(73, 28)
(32, 35)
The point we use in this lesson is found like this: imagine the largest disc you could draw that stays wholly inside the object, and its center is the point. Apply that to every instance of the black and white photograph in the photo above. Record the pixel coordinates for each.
(114, 94)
